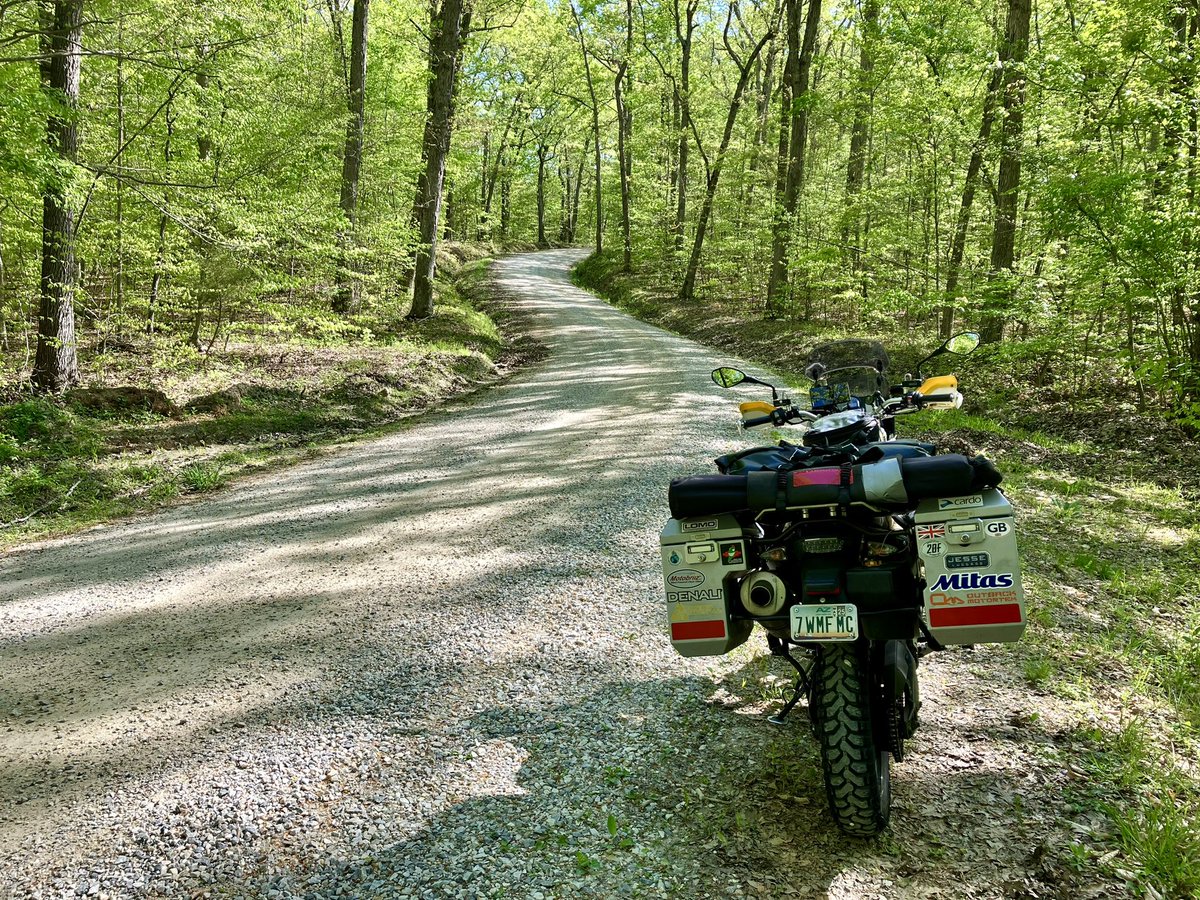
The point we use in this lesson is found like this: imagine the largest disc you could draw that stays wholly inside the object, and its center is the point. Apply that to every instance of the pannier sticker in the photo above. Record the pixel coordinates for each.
(674, 558)
(933, 548)
(929, 532)
(731, 554)
(968, 561)
(997, 527)
(972, 581)
(960, 502)
(703, 525)
(975, 598)
(699, 596)
(685, 578)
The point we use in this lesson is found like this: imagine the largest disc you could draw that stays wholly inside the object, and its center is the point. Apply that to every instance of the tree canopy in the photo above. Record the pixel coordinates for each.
(1026, 170)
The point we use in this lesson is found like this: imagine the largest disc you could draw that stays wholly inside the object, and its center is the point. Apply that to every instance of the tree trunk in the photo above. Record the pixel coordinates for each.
(1008, 178)
(352, 154)
(444, 47)
(56, 366)
(689, 278)
(683, 32)
(859, 135)
(800, 56)
(959, 241)
(625, 165)
(542, 149)
(591, 85)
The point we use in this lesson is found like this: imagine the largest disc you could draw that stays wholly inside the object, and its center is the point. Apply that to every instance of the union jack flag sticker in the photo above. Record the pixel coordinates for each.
(929, 532)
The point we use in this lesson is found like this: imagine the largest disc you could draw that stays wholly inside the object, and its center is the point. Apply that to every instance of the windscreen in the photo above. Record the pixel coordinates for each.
(860, 365)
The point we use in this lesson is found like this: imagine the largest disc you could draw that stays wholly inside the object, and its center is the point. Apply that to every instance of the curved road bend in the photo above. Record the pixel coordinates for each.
(434, 665)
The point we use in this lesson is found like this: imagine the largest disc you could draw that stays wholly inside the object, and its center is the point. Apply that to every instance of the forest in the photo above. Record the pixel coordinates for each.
(176, 175)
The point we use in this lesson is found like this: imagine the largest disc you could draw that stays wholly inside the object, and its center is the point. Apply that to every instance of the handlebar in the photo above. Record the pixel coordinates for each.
(780, 416)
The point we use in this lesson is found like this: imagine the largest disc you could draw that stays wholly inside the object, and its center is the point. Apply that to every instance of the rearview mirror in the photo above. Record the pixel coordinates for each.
(962, 343)
(728, 377)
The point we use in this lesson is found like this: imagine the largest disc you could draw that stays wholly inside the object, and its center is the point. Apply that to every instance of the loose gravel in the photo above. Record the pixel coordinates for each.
(434, 665)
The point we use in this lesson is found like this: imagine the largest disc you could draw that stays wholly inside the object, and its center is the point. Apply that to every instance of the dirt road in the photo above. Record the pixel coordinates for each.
(434, 665)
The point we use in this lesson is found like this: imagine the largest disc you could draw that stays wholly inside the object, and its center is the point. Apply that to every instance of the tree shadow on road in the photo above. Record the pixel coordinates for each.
(680, 787)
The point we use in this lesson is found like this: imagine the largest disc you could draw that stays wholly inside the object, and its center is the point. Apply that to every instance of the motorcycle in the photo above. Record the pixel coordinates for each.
(856, 551)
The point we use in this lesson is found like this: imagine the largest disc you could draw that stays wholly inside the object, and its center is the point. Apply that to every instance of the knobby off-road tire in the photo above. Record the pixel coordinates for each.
(857, 774)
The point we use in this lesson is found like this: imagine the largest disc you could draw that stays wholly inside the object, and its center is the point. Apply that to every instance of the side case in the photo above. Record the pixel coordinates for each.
(968, 547)
(701, 561)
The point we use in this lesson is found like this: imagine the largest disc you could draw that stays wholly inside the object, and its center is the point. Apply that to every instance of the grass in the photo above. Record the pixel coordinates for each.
(1109, 532)
(301, 378)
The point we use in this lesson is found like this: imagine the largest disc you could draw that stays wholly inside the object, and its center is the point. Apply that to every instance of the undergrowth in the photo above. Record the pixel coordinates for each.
(294, 379)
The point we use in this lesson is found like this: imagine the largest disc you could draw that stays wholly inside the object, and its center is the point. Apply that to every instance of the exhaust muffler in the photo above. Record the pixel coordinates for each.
(763, 594)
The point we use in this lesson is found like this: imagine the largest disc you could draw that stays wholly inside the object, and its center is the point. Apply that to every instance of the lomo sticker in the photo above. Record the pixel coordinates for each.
(685, 578)
(703, 525)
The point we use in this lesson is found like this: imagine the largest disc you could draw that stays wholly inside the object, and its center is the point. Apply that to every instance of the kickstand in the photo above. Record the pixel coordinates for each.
(779, 648)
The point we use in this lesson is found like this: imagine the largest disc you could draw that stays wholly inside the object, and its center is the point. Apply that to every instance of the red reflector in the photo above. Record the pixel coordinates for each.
(695, 631)
(818, 476)
(1000, 614)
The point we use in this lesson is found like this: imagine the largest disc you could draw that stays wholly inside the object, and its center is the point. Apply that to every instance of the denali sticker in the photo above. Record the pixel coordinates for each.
(960, 502)
(685, 578)
(694, 596)
(703, 525)
(929, 532)
(969, 581)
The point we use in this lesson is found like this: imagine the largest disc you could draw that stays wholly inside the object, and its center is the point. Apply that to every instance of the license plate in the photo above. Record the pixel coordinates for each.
(825, 622)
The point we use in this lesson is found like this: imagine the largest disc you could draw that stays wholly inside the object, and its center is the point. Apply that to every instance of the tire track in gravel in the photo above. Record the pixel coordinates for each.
(434, 665)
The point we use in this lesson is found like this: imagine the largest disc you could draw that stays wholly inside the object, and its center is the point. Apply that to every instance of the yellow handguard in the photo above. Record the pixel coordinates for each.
(941, 392)
(753, 408)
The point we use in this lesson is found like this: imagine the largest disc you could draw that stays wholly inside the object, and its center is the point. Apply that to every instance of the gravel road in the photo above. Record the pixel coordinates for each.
(434, 664)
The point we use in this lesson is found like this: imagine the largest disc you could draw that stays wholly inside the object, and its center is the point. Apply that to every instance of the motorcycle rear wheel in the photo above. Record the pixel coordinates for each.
(857, 771)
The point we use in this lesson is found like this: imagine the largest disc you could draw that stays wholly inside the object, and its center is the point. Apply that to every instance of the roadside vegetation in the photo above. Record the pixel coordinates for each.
(273, 391)
(1109, 526)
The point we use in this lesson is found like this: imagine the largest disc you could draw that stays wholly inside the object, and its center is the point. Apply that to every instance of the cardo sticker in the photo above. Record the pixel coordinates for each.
(960, 502)
(685, 578)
